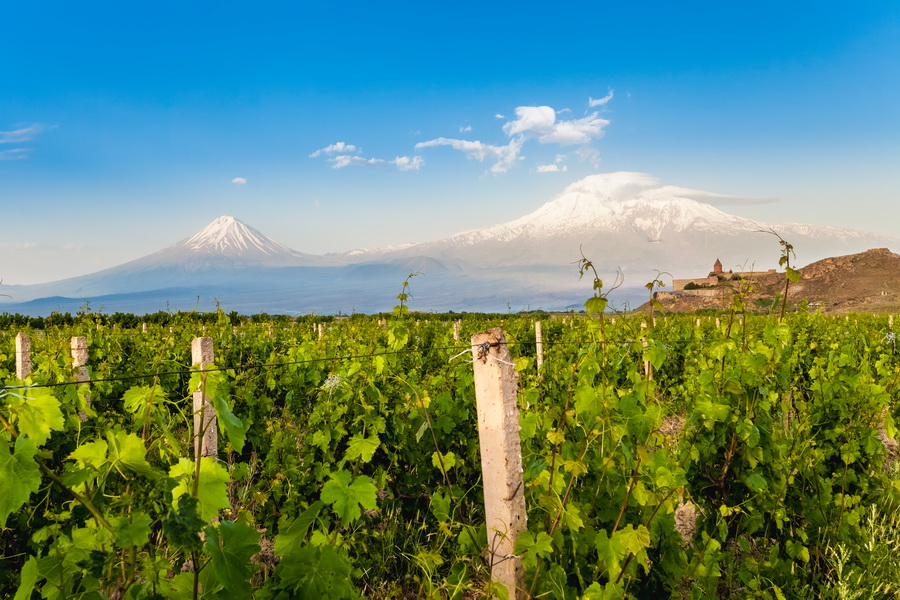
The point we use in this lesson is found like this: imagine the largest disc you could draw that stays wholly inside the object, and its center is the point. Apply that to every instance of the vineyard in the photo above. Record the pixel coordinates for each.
(667, 457)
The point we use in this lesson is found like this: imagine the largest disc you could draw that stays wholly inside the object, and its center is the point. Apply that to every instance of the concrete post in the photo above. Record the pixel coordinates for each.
(501, 457)
(23, 356)
(206, 441)
(79, 364)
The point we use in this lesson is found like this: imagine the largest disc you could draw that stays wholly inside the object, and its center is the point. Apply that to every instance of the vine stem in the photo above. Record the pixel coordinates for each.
(83, 500)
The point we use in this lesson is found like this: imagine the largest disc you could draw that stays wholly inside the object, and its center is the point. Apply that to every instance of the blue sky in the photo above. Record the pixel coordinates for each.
(331, 126)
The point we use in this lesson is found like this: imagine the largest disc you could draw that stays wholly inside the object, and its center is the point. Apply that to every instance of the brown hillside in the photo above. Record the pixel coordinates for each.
(864, 282)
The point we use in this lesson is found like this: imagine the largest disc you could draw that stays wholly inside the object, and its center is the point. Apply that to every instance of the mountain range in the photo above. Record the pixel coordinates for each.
(623, 222)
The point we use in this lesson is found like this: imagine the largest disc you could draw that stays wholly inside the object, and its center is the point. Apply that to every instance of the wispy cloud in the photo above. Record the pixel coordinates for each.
(14, 154)
(337, 147)
(466, 129)
(24, 133)
(20, 135)
(504, 157)
(601, 101)
(402, 163)
(239, 180)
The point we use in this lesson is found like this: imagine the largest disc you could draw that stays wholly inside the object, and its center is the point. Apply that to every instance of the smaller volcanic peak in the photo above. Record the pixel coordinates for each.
(230, 237)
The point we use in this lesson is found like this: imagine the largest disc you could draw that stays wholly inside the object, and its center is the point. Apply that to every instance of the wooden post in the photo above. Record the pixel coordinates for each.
(321, 327)
(891, 321)
(456, 330)
(144, 328)
(538, 344)
(79, 363)
(206, 442)
(23, 356)
(501, 457)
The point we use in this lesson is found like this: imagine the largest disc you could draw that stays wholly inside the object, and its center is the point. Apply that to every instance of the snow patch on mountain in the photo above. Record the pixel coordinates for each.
(230, 237)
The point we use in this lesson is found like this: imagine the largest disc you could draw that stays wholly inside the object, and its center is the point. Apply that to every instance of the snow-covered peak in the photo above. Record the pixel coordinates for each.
(616, 202)
(230, 237)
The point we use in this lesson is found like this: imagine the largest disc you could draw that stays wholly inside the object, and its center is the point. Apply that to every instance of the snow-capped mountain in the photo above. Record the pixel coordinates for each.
(227, 236)
(631, 221)
(627, 221)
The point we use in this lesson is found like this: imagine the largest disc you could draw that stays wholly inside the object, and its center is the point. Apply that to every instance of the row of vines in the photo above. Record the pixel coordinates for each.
(747, 458)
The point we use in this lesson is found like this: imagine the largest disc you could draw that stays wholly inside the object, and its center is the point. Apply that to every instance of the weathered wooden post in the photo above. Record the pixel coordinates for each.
(539, 344)
(23, 356)
(143, 328)
(456, 330)
(206, 441)
(79, 364)
(501, 457)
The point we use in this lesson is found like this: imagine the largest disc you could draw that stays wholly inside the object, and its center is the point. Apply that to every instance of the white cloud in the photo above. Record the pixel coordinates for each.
(601, 101)
(576, 131)
(25, 133)
(346, 160)
(402, 163)
(532, 121)
(504, 156)
(559, 165)
(334, 149)
(239, 180)
(499, 116)
(405, 163)
(466, 129)
(540, 122)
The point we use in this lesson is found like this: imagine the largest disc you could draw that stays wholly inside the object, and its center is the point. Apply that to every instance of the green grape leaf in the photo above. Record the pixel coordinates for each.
(182, 525)
(230, 546)
(633, 539)
(757, 483)
(38, 415)
(655, 352)
(610, 552)
(595, 304)
(449, 460)
(212, 490)
(290, 538)
(90, 455)
(143, 401)
(30, 578)
(127, 450)
(531, 547)
(216, 389)
(131, 532)
(362, 448)
(20, 475)
(346, 498)
(318, 572)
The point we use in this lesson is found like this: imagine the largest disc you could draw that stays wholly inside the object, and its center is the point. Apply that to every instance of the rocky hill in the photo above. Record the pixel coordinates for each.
(864, 282)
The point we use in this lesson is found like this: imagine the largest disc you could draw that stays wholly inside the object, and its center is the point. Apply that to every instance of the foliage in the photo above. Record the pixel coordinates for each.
(673, 457)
